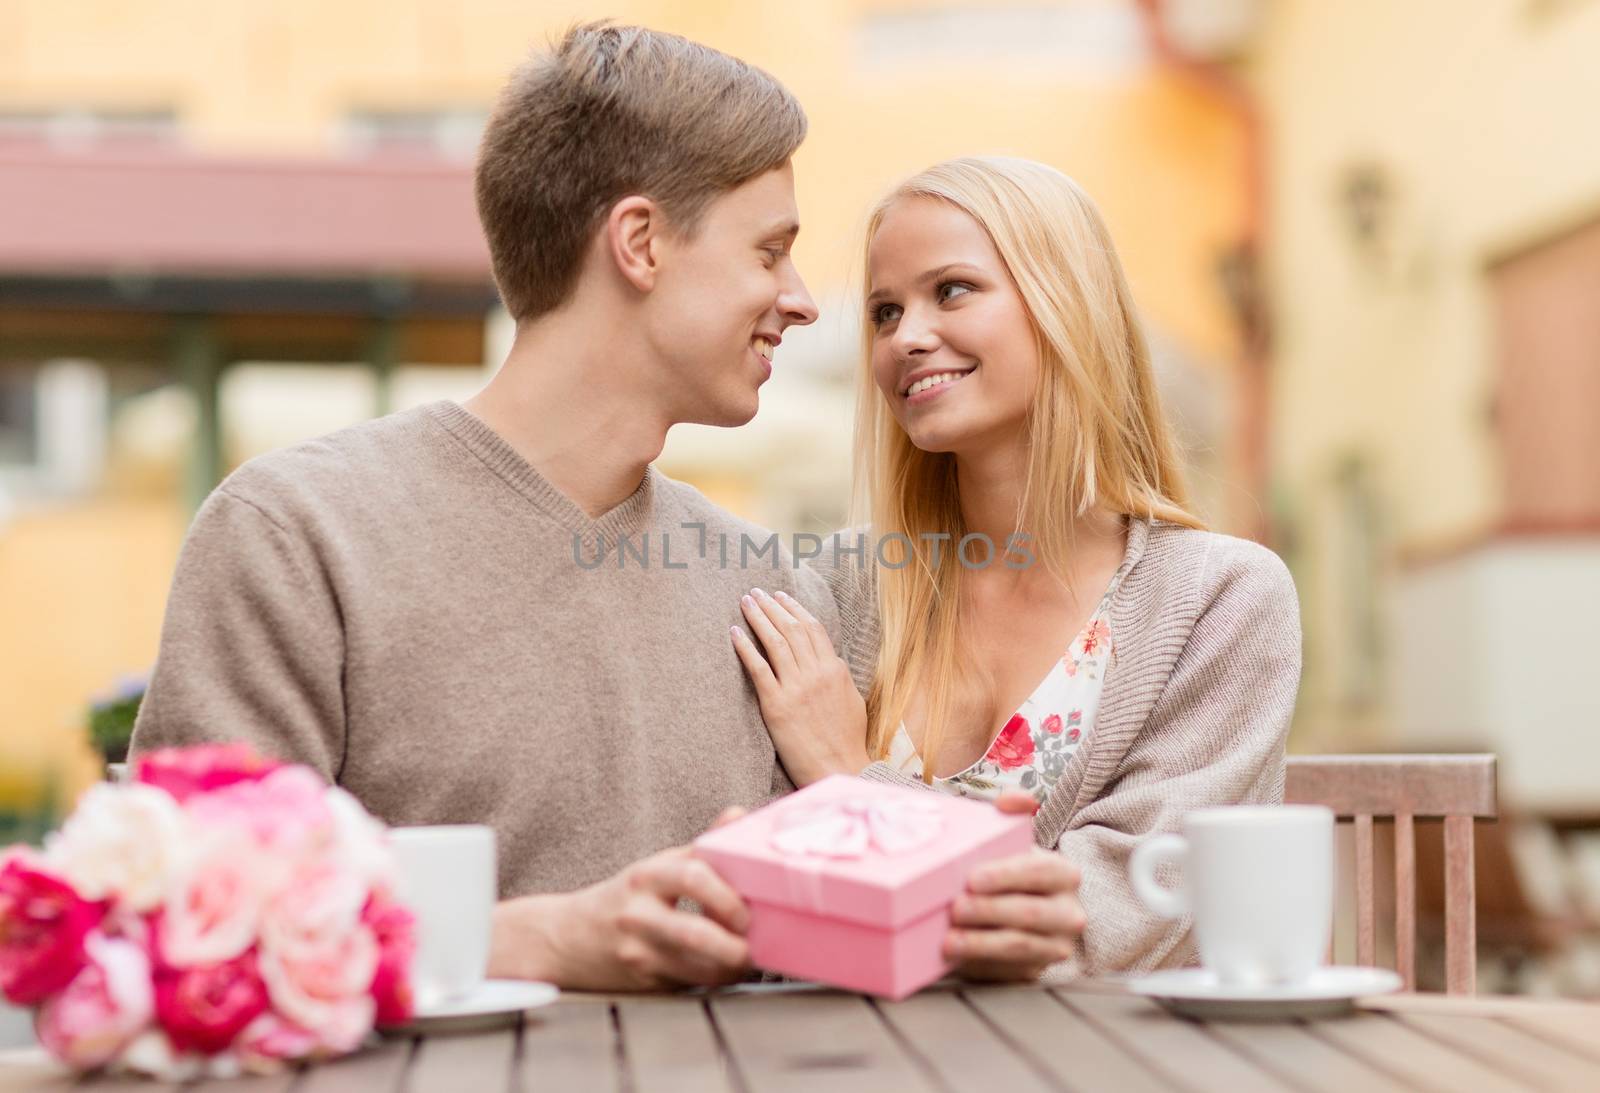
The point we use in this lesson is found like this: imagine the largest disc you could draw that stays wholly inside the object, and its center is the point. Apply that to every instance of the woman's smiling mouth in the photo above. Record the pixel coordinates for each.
(930, 385)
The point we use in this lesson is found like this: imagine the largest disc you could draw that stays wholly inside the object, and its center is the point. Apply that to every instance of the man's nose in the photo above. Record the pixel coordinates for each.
(795, 303)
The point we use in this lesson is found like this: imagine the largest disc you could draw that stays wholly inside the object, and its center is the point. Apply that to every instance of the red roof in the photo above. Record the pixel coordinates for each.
(160, 211)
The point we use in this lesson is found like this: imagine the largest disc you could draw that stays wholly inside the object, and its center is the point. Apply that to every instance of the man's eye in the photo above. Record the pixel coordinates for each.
(951, 289)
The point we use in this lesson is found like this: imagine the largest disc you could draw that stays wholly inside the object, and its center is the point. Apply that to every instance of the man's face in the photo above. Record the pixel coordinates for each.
(723, 299)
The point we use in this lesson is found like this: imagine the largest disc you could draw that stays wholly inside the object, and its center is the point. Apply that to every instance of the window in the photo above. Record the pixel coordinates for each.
(19, 416)
(1101, 38)
(450, 133)
(72, 127)
(1547, 406)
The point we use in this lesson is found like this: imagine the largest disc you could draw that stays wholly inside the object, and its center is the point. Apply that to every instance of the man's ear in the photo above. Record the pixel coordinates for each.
(633, 231)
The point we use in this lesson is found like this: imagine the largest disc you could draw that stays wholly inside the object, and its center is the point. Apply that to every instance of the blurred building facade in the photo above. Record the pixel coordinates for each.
(1435, 275)
(207, 250)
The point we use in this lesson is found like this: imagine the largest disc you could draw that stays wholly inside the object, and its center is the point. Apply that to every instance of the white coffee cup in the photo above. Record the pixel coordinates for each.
(446, 875)
(1259, 882)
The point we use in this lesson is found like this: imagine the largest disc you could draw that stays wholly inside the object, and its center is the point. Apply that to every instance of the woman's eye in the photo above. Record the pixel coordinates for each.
(885, 313)
(951, 289)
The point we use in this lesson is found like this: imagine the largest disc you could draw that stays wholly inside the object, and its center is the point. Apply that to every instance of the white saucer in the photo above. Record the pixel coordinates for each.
(1196, 992)
(495, 1003)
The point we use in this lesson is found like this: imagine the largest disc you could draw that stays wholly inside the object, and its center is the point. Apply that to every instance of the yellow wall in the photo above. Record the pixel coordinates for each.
(81, 595)
(1483, 115)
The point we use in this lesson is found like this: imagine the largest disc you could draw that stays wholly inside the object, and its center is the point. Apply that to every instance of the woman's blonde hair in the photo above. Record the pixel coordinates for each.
(1095, 434)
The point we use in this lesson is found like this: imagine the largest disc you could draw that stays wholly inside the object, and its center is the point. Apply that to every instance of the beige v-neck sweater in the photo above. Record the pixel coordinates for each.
(1194, 711)
(401, 606)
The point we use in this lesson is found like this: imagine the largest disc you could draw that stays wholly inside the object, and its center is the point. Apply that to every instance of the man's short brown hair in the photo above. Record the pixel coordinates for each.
(608, 112)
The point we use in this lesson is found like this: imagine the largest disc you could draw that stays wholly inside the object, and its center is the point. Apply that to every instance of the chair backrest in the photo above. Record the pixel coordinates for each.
(1456, 788)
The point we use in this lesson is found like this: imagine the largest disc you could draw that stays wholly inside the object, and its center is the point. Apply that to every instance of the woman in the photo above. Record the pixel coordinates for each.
(1112, 659)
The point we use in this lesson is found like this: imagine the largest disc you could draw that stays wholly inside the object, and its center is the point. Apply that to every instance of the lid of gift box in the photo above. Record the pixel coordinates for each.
(845, 848)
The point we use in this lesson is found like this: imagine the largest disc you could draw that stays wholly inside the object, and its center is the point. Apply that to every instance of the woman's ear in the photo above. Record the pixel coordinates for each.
(632, 232)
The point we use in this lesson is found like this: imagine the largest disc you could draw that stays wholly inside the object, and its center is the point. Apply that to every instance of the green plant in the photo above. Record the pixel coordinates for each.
(111, 718)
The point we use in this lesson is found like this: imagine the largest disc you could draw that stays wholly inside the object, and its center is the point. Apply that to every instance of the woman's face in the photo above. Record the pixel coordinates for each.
(953, 349)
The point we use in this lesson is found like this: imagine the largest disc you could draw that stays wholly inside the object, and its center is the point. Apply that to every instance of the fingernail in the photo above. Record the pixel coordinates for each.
(953, 945)
(760, 593)
(747, 601)
(782, 595)
(734, 630)
(961, 907)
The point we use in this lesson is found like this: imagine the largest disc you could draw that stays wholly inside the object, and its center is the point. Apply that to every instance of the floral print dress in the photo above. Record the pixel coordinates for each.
(1033, 748)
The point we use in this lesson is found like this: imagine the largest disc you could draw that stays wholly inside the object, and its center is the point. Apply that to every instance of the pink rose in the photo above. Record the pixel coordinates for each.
(43, 923)
(1052, 724)
(284, 810)
(1014, 747)
(214, 902)
(326, 990)
(270, 1041)
(394, 928)
(184, 772)
(203, 1008)
(318, 906)
(102, 1009)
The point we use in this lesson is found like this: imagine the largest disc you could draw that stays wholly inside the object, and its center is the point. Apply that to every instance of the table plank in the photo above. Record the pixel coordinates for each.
(371, 1071)
(23, 1070)
(810, 1041)
(1509, 1049)
(1183, 1050)
(570, 1045)
(1573, 1030)
(1062, 1041)
(961, 1050)
(670, 1046)
(248, 1083)
(452, 1063)
(1291, 1051)
(1389, 1045)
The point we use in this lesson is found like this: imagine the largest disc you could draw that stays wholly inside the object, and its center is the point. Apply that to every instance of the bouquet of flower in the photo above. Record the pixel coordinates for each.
(218, 913)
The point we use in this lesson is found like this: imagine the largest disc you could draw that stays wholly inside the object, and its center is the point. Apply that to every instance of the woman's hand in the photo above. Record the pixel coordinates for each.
(1018, 915)
(814, 714)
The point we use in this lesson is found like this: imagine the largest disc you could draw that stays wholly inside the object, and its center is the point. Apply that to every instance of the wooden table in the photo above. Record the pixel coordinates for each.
(993, 1040)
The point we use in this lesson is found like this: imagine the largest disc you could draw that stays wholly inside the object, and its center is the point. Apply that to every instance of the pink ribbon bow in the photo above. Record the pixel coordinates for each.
(849, 827)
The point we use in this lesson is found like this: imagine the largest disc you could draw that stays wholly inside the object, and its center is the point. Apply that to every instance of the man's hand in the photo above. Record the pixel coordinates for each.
(813, 712)
(627, 932)
(1018, 915)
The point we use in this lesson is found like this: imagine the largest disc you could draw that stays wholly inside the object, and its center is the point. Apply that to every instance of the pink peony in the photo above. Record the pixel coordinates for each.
(270, 1041)
(1014, 746)
(394, 929)
(284, 811)
(184, 772)
(326, 990)
(102, 1009)
(214, 903)
(203, 1008)
(43, 923)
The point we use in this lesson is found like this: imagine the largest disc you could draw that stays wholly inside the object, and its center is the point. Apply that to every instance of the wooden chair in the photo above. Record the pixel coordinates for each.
(1456, 788)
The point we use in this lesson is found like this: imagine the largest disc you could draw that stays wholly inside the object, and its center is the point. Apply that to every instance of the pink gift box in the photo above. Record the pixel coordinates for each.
(850, 882)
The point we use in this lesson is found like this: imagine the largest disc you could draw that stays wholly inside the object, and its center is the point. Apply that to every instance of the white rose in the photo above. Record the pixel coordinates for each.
(361, 843)
(121, 841)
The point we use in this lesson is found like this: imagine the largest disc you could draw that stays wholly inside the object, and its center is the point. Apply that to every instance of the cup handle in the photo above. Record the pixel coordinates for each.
(1149, 856)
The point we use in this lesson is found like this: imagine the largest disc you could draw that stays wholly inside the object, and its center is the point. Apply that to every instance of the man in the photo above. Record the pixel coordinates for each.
(498, 612)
